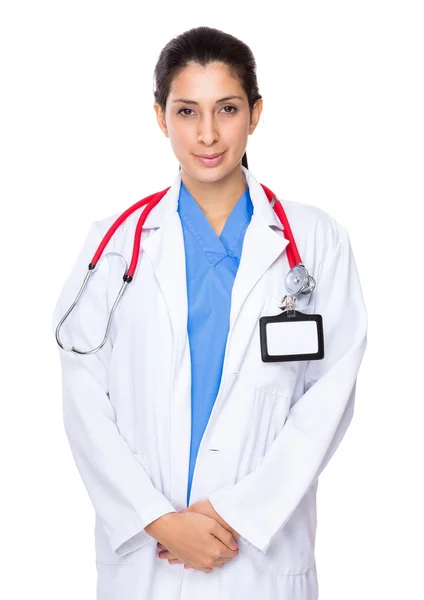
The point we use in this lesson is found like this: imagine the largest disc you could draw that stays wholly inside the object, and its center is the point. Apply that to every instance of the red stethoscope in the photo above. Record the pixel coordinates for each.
(298, 280)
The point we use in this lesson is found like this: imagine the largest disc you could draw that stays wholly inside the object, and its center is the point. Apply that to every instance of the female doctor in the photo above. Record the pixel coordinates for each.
(200, 457)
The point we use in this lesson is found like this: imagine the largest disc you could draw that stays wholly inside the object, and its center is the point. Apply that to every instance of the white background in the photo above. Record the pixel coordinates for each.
(342, 128)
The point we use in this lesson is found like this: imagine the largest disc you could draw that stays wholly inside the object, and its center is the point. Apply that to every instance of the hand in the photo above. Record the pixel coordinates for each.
(194, 539)
(201, 507)
(204, 507)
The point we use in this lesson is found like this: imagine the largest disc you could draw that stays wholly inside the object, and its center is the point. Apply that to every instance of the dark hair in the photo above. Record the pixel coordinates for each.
(204, 45)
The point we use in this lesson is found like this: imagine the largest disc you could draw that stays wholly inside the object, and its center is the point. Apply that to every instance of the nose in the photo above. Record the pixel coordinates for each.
(207, 131)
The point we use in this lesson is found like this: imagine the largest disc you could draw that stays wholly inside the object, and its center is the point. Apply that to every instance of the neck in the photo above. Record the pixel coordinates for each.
(217, 198)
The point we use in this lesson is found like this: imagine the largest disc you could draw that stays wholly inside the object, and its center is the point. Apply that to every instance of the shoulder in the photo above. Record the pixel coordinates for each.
(323, 242)
(103, 224)
(313, 224)
(127, 226)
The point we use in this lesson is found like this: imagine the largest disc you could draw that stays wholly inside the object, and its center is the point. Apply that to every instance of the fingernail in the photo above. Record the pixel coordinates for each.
(235, 546)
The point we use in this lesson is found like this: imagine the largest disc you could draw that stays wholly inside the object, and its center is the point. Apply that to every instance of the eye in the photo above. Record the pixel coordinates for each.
(228, 106)
(180, 112)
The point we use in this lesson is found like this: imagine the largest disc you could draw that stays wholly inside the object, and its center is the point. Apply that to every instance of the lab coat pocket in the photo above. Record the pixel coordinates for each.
(279, 560)
(264, 416)
(271, 408)
(292, 551)
(104, 552)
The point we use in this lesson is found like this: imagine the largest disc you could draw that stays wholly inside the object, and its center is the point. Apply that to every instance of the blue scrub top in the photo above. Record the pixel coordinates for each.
(211, 266)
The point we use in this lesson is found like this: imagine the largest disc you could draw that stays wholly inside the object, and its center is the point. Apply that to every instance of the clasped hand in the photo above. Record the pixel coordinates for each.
(203, 507)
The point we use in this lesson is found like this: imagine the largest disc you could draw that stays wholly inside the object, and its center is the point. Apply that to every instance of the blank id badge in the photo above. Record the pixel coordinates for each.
(291, 336)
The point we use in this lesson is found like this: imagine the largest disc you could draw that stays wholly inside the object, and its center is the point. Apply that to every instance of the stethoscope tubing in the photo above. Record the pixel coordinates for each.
(150, 202)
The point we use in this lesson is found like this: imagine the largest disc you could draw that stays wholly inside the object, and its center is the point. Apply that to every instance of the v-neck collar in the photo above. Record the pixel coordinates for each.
(215, 247)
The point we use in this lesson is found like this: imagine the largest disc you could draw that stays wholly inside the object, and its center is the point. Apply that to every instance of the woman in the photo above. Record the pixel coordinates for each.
(201, 459)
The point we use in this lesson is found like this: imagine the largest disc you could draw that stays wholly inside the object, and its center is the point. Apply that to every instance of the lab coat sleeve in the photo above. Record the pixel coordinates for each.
(119, 487)
(261, 503)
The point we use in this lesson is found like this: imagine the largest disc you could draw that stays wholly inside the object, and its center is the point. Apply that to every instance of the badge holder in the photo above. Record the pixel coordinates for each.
(291, 335)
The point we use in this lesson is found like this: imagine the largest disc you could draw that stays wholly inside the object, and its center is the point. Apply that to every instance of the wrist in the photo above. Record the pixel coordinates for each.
(158, 526)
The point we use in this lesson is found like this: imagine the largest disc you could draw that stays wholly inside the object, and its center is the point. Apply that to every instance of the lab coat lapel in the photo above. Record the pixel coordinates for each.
(165, 249)
(262, 245)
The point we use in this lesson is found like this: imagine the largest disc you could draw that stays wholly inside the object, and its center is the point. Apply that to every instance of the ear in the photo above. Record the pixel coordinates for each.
(161, 118)
(256, 113)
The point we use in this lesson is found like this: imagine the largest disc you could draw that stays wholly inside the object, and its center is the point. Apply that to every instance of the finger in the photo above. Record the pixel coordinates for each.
(226, 553)
(221, 562)
(159, 545)
(226, 538)
(204, 569)
(166, 554)
(175, 561)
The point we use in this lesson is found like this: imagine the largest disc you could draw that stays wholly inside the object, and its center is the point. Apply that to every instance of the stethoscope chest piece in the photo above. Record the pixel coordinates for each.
(298, 281)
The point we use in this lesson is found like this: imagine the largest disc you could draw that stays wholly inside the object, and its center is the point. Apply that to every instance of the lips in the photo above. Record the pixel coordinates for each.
(209, 155)
(211, 160)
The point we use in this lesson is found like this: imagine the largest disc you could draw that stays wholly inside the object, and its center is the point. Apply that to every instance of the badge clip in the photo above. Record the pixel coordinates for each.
(287, 304)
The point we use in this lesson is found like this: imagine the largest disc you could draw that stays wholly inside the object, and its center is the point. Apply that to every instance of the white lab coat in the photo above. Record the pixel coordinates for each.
(273, 428)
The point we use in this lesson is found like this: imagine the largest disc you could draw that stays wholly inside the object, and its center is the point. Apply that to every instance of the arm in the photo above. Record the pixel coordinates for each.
(261, 503)
(119, 488)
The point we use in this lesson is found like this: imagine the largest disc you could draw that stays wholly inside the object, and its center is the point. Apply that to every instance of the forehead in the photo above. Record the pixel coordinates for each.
(205, 83)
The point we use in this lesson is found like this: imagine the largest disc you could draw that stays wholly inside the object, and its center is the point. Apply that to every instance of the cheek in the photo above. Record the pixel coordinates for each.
(179, 137)
(236, 133)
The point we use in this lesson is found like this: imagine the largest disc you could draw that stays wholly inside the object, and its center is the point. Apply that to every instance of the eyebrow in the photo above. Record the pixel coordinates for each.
(187, 101)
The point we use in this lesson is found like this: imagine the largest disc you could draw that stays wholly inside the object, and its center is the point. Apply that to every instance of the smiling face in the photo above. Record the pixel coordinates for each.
(207, 113)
